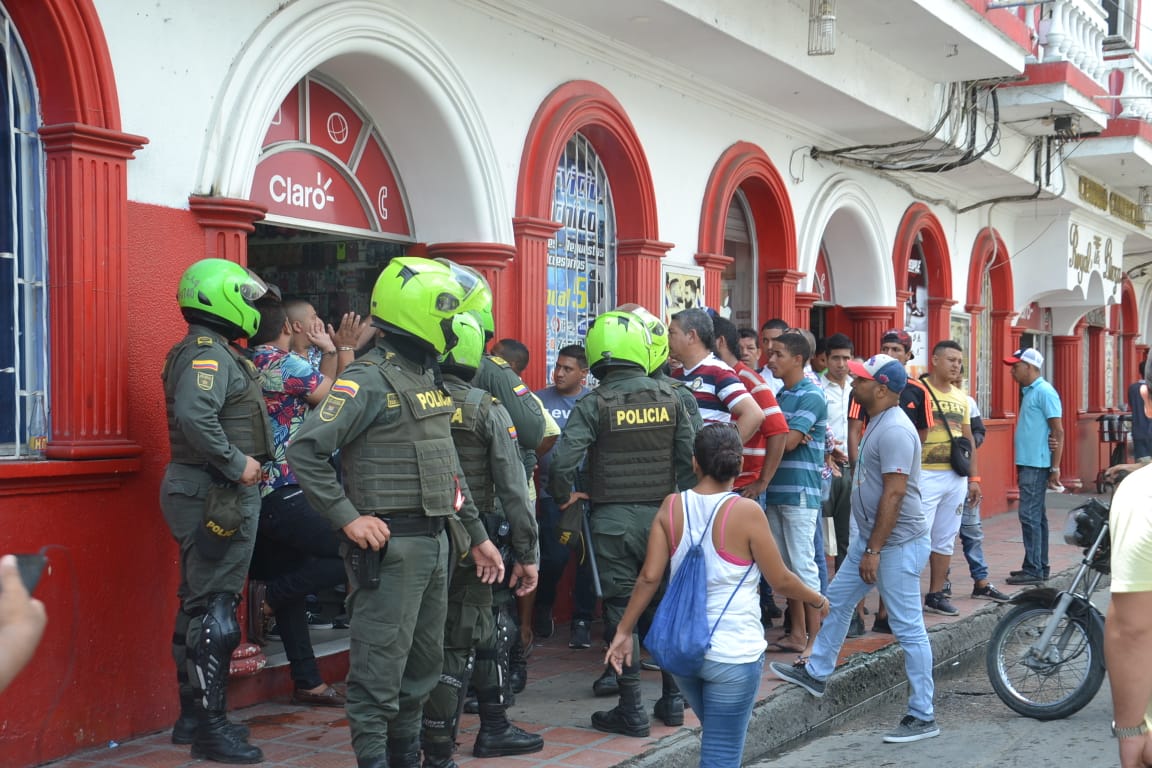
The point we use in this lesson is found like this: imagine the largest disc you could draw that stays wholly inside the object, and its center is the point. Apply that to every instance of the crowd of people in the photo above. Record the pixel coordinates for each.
(400, 457)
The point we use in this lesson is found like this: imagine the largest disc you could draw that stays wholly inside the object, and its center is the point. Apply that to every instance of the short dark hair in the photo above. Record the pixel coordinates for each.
(795, 343)
(272, 319)
(775, 324)
(838, 341)
(947, 344)
(697, 320)
(749, 333)
(821, 347)
(514, 353)
(718, 451)
(577, 353)
(726, 329)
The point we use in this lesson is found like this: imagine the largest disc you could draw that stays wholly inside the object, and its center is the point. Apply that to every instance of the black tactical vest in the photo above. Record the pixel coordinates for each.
(631, 460)
(244, 417)
(404, 465)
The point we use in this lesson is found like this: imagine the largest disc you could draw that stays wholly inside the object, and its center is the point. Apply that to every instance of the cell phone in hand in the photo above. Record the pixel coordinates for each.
(31, 568)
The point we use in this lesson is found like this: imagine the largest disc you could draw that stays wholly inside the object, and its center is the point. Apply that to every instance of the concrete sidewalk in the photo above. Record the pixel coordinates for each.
(559, 700)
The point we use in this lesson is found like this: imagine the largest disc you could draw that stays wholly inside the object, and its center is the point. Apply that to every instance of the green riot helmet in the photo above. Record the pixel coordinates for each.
(468, 348)
(477, 294)
(659, 337)
(418, 298)
(618, 338)
(221, 294)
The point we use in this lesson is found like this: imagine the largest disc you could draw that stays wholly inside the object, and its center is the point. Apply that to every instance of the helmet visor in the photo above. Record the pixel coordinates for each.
(477, 293)
(447, 304)
(253, 289)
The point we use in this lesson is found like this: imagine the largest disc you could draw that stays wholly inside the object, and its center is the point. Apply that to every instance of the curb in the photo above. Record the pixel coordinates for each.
(790, 714)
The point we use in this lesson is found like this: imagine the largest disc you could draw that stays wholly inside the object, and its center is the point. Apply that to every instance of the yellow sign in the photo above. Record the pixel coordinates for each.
(1093, 193)
(639, 417)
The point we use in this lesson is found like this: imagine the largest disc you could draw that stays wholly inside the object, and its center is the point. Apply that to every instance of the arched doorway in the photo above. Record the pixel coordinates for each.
(922, 270)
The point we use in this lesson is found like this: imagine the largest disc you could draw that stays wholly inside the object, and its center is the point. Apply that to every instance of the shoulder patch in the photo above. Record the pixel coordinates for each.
(331, 407)
(205, 380)
(345, 387)
(205, 365)
(392, 400)
(521, 390)
(204, 341)
(512, 433)
(498, 360)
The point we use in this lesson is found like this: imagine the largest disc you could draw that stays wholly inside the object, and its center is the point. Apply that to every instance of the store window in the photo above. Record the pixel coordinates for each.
(982, 374)
(23, 258)
(738, 281)
(582, 255)
(916, 307)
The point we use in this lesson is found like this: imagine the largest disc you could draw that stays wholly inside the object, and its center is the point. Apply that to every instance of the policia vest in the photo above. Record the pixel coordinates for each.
(472, 450)
(631, 460)
(243, 418)
(405, 464)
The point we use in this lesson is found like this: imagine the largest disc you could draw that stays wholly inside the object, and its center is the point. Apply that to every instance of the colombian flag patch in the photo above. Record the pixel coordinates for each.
(520, 390)
(512, 433)
(345, 387)
(205, 365)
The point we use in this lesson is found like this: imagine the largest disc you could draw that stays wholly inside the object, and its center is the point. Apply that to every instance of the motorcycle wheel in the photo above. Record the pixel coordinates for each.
(1051, 688)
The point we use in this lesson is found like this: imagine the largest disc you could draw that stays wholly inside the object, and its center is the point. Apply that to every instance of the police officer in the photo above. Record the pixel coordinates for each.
(486, 443)
(639, 442)
(390, 416)
(219, 435)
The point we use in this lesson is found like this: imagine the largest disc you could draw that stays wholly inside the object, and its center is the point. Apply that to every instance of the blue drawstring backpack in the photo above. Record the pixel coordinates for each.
(679, 636)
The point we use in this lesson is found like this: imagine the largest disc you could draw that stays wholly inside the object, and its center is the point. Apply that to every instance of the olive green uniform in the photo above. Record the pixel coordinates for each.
(486, 443)
(639, 443)
(686, 397)
(392, 423)
(498, 378)
(216, 420)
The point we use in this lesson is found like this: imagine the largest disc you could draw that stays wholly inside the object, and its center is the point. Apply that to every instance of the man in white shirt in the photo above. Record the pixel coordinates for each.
(769, 331)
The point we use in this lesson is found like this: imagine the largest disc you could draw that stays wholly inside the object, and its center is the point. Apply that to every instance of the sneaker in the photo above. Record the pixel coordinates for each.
(1023, 579)
(650, 665)
(316, 621)
(341, 621)
(542, 624)
(856, 626)
(912, 729)
(799, 676)
(881, 625)
(937, 602)
(989, 592)
(946, 590)
(273, 632)
(581, 634)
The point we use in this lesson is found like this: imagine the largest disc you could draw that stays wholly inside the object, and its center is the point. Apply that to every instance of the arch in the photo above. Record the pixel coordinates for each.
(919, 220)
(1129, 308)
(866, 278)
(69, 55)
(990, 253)
(588, 108)
(746, 167)
(382, 57)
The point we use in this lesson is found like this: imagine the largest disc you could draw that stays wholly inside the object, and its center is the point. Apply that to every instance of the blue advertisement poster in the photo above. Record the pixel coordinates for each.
(581, 257)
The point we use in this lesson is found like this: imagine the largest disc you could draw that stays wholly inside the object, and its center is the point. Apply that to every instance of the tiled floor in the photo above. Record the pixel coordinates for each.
(558, 700)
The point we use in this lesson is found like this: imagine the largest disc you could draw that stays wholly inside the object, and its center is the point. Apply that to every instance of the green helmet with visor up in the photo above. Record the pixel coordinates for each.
(221, 294)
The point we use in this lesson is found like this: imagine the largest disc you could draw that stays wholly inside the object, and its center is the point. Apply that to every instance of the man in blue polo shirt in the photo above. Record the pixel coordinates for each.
(1037, 460)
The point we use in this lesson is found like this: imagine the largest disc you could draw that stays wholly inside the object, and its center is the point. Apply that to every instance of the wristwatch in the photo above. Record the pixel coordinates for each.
(1053, 469)
(1129, 733)
(870, 551)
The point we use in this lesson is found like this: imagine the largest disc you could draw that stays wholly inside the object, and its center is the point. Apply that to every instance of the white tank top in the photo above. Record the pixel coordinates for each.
(739, 637)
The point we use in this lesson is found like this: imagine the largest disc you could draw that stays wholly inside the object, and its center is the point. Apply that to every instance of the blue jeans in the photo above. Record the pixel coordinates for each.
(972, 540)
(722, 696)
(821, 558)
(1033, 484)
(899, 585)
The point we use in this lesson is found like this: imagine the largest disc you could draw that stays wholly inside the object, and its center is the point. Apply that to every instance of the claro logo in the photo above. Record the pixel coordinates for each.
(284, 189)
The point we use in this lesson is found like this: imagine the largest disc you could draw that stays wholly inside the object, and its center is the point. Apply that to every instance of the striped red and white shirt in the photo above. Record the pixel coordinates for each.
(716, 386)
(774, 424)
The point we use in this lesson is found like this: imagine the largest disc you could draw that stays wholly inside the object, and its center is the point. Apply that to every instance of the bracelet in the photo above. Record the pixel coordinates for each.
(820, 607)
(975, 479)
(328, 354)
(346, 349)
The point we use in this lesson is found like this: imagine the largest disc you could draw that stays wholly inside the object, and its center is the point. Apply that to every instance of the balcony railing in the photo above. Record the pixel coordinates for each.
(1136, 91)
(1072, 31)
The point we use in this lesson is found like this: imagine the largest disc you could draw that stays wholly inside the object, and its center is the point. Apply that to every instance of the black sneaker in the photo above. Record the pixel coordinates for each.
(938, 602)
(912, 729)
(881, 626)
(799, 676)
(856, 626)
(1023, 579)
(542, 624)
(946, 590)
(581, 634)
(316, 621)
(989, 592)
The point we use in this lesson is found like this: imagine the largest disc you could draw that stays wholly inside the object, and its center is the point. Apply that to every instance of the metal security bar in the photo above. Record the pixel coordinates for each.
(985, 365)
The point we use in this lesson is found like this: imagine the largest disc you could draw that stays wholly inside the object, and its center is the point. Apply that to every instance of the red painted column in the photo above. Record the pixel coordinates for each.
(638, 272)
(714, 265)
(780, 295)
(1096, 364)
(1005, 341)
(529, 281)
(939, 320)
(87, 272)
(804, 302)
(227, 222)
(1066, 350)
(490, 260)
(868, 325)
(1131, 357)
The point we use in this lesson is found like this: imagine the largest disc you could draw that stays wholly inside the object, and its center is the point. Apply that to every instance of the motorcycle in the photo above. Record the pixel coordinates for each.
(1045, 658)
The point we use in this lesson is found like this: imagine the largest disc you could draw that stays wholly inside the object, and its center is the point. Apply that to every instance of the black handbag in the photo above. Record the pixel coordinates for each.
(961, 455)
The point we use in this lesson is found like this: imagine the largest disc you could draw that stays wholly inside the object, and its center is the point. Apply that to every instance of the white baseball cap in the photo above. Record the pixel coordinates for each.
(1030, 356)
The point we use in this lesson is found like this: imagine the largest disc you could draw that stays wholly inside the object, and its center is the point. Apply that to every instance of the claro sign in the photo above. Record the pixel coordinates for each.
(284, 189)
(305, 185)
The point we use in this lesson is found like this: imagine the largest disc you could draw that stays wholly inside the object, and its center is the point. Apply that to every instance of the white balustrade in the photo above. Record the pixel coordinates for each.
(1136, 93)
(1074, 31)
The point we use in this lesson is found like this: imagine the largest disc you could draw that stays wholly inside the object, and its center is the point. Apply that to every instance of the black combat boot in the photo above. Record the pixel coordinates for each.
(628, 717)
(184, 730)
(517, 667)
(606, 684)
(216, 741)
(380, 761)
(438, 754)
(403, 753)
(670, 705)
(497, 736)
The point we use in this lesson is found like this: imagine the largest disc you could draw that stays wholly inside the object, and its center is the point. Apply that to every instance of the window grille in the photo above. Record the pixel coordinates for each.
(23, 268)
(984, 363)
